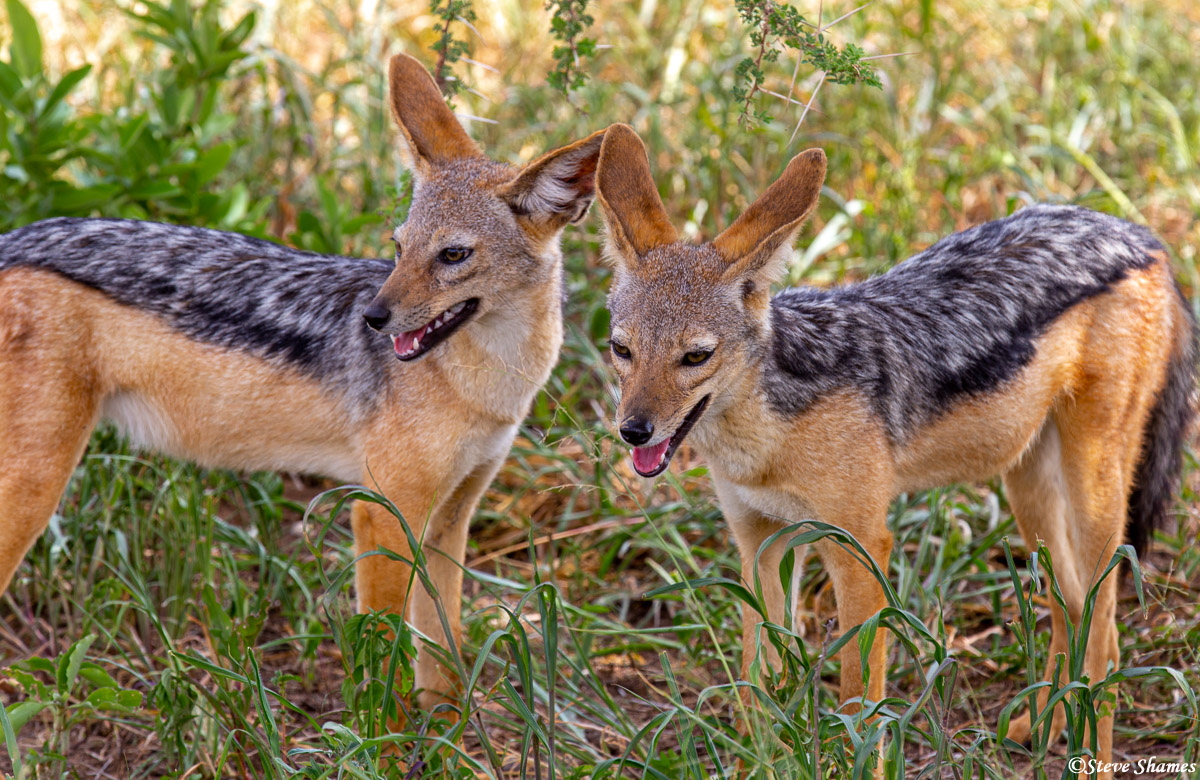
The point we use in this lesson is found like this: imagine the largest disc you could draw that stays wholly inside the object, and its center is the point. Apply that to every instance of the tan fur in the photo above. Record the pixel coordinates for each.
(1065, 433)
(70, 356)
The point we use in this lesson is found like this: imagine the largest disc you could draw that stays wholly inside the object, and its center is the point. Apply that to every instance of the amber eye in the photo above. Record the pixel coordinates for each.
(398, 248)
(697, 357)
(619, 349)
(454, 255)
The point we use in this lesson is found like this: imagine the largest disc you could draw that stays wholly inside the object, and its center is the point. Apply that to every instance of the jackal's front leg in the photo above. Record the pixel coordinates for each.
(440, 525)
(859, 595)
(750, 530)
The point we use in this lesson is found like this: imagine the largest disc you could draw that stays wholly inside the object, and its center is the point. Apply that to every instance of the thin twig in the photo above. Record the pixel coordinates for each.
(845, 16)
(793, 101)
(473, 118)
(807, 108)
(467, 22)
(800, 55)
(478, 94)
(541, 540)
(795, 73)
(886, 56)
(479, 64)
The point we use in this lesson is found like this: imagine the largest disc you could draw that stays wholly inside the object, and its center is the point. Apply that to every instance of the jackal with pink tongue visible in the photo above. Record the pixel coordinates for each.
(239, 353)
(1052, 347)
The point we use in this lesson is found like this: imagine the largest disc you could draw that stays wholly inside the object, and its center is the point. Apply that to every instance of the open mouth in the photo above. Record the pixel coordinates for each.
(414, 343)
(651, 461)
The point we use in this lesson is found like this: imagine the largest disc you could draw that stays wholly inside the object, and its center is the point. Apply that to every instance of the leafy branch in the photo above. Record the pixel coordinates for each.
(778, 27)
(568, 22)
(449, 48)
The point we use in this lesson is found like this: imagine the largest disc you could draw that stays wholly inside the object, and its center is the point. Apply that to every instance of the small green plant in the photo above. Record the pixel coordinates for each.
(71, 690)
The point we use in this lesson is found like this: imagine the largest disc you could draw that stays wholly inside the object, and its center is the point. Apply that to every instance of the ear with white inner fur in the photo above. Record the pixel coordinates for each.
(432, 134)
(558, 187)
(633, 211)
(756, 244)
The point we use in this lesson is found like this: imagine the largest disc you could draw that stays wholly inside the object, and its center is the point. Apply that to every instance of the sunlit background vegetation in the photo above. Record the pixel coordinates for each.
(175, 622)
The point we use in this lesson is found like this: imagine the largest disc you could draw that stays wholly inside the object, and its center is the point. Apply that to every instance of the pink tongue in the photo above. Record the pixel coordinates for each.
(404, 340)
(647, 458)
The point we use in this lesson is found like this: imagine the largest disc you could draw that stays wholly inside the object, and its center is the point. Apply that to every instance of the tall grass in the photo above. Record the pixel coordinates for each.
(178, 622)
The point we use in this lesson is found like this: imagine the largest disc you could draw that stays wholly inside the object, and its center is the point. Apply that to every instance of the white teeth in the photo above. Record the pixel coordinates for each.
(400, 345)
(437, 322)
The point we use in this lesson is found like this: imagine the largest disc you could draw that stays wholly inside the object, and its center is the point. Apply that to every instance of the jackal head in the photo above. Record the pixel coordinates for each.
(480, 235)
(689, 321)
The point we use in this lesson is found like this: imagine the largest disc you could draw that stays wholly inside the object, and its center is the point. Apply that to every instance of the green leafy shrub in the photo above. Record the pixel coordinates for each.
(155, 158)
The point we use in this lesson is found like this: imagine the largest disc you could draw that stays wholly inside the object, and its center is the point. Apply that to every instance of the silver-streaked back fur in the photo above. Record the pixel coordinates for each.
(293, 308)
(959, 318)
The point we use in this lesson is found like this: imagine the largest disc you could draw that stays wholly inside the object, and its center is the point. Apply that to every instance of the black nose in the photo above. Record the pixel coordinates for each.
(637, 431)
(377, 315)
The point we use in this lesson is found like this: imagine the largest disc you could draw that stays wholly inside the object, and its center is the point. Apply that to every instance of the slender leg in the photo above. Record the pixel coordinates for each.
(441, 525)
(1038, 494)
(1070, 492)
(47, 411)
(1099, 466)
(859, 595)
(445, 550)
(750, 530)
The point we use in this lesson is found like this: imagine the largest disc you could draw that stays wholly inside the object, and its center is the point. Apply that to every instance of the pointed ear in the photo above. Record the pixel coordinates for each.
(755, 244)
(558, 187)
(636, 219)
(431, 132)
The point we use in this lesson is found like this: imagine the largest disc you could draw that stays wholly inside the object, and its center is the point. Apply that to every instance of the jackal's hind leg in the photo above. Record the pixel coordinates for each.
(1070, 493)
(1037, 492)
(1099, 461)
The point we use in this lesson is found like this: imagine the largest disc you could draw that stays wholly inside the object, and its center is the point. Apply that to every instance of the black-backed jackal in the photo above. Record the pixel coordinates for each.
(1052, 347)
(238, 353)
